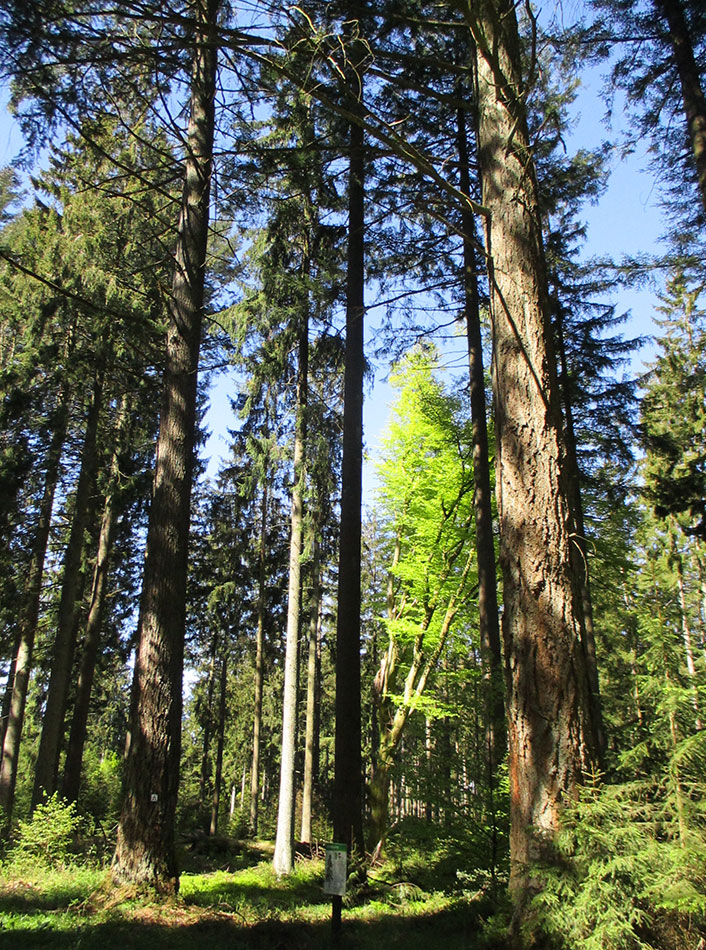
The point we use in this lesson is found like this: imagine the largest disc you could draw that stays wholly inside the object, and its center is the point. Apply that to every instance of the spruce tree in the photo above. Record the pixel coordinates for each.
(145, 847)
(672, 422)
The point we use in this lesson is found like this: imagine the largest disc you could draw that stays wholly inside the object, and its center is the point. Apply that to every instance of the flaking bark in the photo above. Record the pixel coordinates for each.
(550, 733)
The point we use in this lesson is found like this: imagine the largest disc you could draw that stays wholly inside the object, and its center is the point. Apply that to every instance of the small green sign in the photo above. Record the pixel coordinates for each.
(336, 870)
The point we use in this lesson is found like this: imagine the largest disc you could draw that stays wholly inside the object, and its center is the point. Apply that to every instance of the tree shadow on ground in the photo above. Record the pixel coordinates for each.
(455, 929)
(283, 895)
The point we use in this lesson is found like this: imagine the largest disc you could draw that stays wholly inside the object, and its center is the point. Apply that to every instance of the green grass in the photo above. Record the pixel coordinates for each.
(240, 904)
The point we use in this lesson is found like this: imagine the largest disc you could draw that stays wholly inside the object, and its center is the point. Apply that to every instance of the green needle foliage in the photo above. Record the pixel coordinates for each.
(674, 411)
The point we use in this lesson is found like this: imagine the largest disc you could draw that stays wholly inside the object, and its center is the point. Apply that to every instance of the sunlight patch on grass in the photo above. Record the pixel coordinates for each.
(256, 893)
(248, 908)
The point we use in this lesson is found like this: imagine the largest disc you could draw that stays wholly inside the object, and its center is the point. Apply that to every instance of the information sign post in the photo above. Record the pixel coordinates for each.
(335, 884)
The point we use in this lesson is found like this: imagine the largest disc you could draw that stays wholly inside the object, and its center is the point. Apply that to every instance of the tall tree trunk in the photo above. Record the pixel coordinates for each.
(29, 614)
(77, 737)
(259, 667)
(311, 677)
(551, 735)
(206, 752)
(348, 814)
(218, 777)
(488, 616)
(284, 841)
(690, 80)
(145, 851)
(7, 692)
(579, 545)
(47, 769)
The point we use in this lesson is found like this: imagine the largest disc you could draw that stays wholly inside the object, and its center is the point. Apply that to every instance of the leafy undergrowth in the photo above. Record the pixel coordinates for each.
(241, 904)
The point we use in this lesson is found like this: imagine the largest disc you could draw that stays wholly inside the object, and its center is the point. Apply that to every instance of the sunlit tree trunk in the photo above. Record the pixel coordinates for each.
(551, 736)
(145, 851)
(284, 842)
(259, 666)
(311, 684)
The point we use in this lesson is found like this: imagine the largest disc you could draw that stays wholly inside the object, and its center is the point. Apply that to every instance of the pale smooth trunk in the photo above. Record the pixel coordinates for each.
(284, 841)
(311, 682)
(259, 667)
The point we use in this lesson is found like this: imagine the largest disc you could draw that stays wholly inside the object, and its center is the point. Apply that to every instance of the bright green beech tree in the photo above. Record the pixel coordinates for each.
(426, 510)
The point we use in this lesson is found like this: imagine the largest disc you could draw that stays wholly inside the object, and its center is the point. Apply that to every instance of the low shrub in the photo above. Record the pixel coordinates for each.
(48, 837)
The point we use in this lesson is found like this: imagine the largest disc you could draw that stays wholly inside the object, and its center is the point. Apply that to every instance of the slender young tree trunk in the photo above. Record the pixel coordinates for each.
(206, 753)
(551, 735)
(311, 674)
(77, 737)
(47, 769)
(218, 777)
(145, 851)
(690, 79)
(259, 669)
(284, 842)
(29, 615)
(348, 812)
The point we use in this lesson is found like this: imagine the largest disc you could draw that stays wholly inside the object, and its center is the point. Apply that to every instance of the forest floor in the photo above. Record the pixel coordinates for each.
(232, 899)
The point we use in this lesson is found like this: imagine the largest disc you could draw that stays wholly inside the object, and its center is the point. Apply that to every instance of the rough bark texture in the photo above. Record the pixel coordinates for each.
(29, 616)
(284, 841)
(145, 850)
(47, 769)
(690, 79)
(347, 818)
(549, 730)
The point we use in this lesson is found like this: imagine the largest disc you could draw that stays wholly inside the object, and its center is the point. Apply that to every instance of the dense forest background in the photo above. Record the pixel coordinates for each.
(504, 645)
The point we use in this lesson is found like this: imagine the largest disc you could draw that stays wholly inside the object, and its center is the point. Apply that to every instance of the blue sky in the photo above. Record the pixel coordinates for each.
(626, 220)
